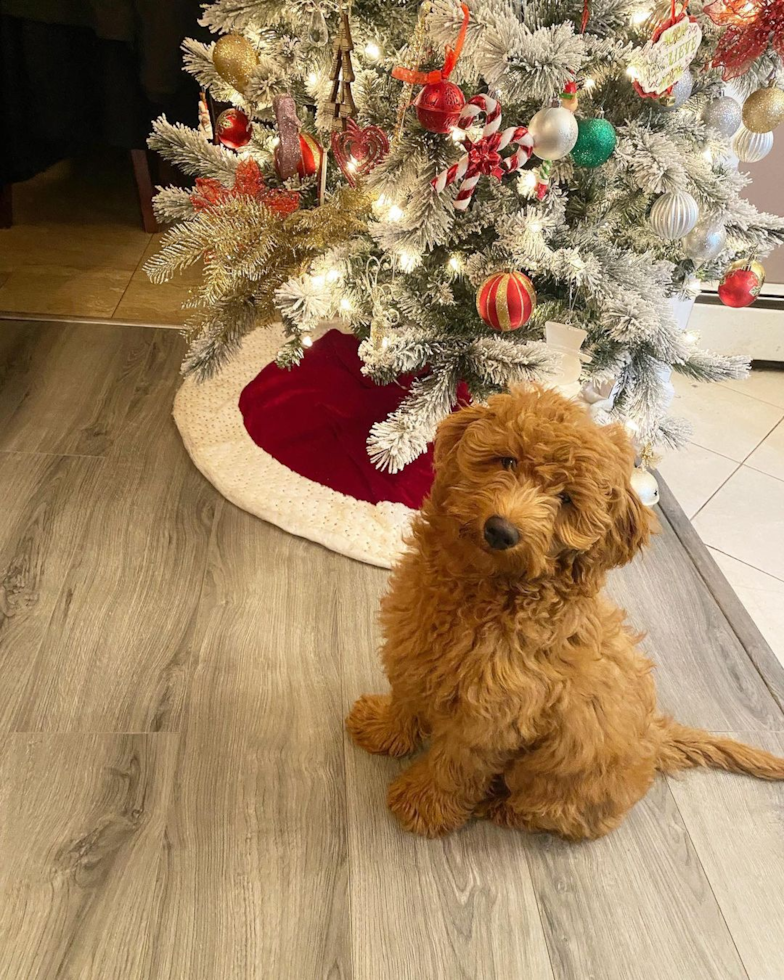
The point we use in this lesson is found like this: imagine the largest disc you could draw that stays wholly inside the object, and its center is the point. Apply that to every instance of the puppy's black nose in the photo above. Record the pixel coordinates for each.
(500, 534)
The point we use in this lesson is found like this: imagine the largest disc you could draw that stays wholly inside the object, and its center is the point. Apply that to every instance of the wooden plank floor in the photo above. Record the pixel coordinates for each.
(178, 798)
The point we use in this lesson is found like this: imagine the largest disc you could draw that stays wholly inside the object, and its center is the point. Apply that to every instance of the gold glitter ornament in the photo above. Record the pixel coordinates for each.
(235, 60)
(756, 267)
(763, 110)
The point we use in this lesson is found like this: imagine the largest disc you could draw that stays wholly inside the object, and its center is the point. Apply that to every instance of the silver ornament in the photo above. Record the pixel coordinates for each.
(723, 115)
(681, 91)
(751, 147)
(554, 131)
(645, 486)
(674, 214)
(705, 241)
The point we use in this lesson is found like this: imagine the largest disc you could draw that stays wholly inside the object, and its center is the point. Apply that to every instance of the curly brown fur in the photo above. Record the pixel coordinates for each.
(539, 710)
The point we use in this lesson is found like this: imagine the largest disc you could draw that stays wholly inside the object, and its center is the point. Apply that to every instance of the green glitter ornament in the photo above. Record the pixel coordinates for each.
(596, 140)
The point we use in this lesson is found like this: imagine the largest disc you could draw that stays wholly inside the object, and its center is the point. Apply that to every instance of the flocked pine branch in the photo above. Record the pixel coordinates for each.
(187, 149)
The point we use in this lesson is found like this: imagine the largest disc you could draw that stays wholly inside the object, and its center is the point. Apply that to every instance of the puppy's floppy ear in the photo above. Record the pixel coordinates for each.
(452, 428)
(631, 528)
(632, 520)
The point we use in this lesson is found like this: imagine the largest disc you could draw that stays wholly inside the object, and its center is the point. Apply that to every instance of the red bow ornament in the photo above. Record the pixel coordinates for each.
(248, 182)
(753, 26)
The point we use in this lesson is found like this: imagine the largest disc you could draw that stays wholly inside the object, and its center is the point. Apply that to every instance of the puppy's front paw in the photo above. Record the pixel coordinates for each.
(377, 726)
(421, 807)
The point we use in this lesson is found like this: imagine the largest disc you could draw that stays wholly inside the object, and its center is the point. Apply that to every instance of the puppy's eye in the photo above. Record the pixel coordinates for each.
(564, 498)
(508, 462)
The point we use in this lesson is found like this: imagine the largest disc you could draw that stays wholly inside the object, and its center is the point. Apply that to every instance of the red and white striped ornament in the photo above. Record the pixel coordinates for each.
(312, 152)
(506, 300)
(483, 158)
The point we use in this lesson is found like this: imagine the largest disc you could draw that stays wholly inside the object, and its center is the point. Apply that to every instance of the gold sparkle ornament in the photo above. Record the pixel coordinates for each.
(763, 110)
(235, 60)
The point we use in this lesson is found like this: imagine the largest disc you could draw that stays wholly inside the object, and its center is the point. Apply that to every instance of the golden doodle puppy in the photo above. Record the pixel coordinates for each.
(502, 653)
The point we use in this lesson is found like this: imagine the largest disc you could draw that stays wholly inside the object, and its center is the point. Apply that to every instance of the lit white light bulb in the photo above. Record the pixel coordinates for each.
(395, 213)
(318, 281)
(312, 78)
(345, 304)
(640, 16)
(708, 155)
(372, 51)
(276, 141)
(589, 83)
(690, 337)
(307, 341)
(631, 71)
(527, 182)
(535, 227)
(408, 261)
(333, 275)
(455, 263)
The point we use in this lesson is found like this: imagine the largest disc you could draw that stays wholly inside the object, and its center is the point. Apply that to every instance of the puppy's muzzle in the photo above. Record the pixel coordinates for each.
(500, 534)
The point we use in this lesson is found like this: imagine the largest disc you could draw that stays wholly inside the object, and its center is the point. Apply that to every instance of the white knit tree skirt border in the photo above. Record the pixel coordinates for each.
(209, 420)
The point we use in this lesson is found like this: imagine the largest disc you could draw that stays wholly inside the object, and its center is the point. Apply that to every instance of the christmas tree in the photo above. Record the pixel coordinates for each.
(448, 179)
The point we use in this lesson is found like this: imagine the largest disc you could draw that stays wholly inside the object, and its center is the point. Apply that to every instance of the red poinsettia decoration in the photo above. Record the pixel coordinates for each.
(753, 25)
(248, 182)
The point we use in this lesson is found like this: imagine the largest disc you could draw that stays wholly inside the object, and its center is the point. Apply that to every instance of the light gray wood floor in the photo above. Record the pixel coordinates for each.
(178, 800)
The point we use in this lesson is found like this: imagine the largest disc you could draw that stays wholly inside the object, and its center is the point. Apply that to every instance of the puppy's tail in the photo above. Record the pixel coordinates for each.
(685, 748)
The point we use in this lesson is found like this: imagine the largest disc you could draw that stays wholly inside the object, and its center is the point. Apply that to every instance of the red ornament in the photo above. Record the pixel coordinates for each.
(506, 300)
(438, 106)
(358, 151)
(312, 152)
(439, 103)
(754, 25)
(741, 284)
(248, 182)
(234, 128)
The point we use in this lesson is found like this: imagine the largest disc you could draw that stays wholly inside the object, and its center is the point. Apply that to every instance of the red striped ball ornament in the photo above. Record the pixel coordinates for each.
(312, 152)
(506, 300)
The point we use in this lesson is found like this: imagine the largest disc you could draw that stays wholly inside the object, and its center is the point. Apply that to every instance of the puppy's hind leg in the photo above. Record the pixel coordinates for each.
(384, 726)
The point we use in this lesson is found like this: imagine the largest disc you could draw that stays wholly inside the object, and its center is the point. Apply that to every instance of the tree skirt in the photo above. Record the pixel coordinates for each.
(289, 446)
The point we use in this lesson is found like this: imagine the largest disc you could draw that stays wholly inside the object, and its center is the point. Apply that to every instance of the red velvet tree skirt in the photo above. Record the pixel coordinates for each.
(315, 419)
(289, 446)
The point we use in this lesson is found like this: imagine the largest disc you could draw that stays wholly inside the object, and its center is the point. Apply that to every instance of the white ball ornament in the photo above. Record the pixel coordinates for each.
(554, 131)
(681, 91)
(645, 486)
(722, 115)
(705, 241)
(751, 147)
(674, 214)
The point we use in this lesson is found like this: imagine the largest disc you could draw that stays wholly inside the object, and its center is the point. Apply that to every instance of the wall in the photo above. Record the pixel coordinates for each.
(767, 193)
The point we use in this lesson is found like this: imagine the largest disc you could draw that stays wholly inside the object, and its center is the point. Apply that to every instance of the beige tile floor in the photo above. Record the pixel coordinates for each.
(77, 249)
(730, 482)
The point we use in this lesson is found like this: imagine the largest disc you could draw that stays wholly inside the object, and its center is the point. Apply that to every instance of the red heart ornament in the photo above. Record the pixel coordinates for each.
(358, 151)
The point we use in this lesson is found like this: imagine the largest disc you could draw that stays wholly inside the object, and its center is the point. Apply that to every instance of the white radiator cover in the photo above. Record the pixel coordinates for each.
(756, 332)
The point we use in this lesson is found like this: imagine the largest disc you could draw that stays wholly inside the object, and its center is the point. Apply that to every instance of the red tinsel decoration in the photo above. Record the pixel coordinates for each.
(248, 182)
(753, 26)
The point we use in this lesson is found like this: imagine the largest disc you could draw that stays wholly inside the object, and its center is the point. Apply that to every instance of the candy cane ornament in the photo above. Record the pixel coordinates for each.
(483, 158)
